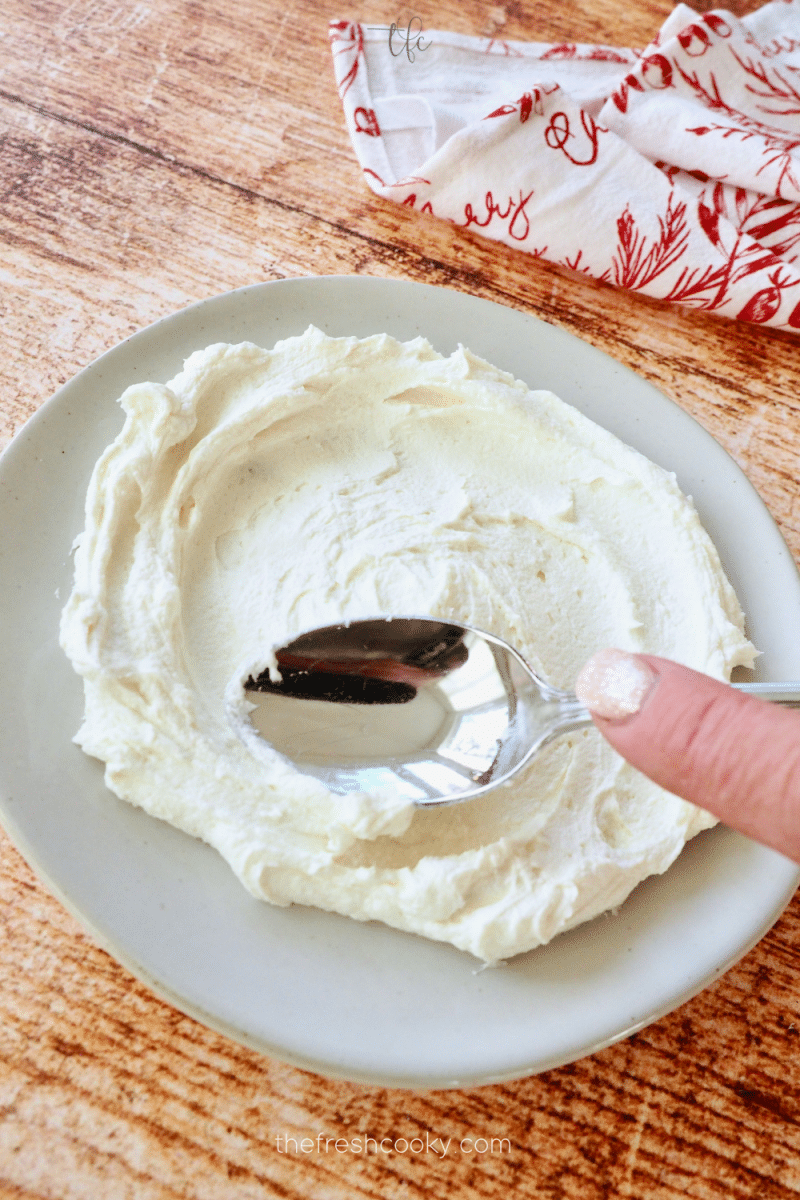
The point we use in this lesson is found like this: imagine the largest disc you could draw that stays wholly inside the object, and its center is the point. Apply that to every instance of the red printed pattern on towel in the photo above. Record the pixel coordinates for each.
(714, 223)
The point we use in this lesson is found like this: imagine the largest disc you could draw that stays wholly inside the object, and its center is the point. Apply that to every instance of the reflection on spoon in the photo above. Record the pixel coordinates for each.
(438, 711)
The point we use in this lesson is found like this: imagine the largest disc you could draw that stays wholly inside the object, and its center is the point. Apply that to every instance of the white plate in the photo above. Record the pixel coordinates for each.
(362, 1002)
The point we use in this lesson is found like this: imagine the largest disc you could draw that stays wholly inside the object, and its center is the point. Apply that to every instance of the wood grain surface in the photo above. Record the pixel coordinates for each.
(159, 151)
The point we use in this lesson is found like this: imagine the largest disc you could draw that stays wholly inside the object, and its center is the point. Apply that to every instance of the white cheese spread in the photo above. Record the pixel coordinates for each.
(263, 493)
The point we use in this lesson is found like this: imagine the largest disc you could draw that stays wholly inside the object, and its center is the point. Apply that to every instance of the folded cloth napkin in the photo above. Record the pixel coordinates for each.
(674, 171)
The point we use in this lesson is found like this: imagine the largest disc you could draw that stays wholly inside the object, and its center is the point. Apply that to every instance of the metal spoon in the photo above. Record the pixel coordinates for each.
(439, 711)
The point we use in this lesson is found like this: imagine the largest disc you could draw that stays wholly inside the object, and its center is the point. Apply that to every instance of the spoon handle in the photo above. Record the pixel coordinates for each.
(571, 714)
(787, 694)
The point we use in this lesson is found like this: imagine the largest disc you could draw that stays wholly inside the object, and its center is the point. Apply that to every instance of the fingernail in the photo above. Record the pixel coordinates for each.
(614, 684)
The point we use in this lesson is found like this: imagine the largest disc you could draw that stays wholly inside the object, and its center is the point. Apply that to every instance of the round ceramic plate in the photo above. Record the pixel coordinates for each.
(361, 1001)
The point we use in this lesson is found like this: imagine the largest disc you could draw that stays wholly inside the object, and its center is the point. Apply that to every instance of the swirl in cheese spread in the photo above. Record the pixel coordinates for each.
(264, 493)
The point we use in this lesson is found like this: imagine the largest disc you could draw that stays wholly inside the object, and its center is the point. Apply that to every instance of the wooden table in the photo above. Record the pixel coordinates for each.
(157, 152)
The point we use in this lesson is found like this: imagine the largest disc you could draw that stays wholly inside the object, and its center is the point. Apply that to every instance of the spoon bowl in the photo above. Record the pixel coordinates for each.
(438, 711)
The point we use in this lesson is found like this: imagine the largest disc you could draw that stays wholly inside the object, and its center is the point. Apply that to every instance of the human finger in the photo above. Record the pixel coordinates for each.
(734, 755)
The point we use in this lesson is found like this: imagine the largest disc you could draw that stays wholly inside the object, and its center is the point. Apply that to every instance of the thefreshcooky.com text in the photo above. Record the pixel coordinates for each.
(439, 1146)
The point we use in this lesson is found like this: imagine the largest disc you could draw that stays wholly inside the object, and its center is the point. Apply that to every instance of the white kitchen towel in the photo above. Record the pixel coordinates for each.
(674, 171)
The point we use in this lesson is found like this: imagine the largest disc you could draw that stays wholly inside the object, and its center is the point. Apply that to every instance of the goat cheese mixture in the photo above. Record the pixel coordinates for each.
(263, 493)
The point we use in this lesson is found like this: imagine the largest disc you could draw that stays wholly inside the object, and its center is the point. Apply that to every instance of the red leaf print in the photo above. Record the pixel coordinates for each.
(366, 122)
(794, 318)
(747, 127)
(508, 50)
(771, 85)
(710, 222)
(351, 37)
(786, 222)
(605, 54)
(409, 179)
(709, 217)
(528, 102)
(596, 53)
(563, 50)
(762, 306)
(636, 263)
